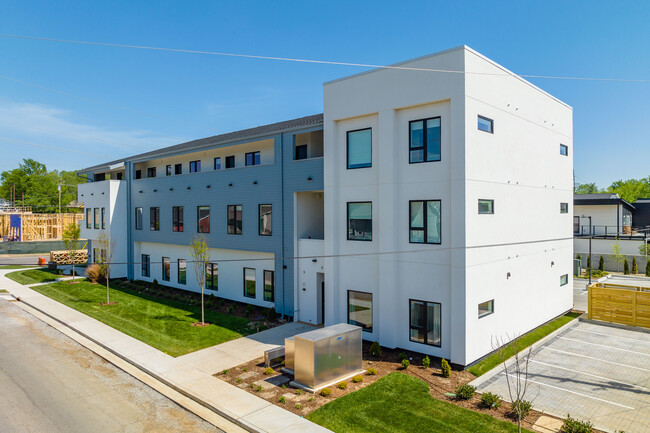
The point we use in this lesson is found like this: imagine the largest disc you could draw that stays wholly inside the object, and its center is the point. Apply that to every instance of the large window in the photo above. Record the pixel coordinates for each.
(249, 282)
(182, 271)
(424, 221)
(564, 207)
(564, 150)
(265, 211)
(564, 280)
(166, 268)
(424, 322)
(485, 206)
(203, 219)
(103, 218)
(151, 172)
(360, 309)
(485, 308)
(154, 219)
(359, 148)
(253, 158)
(424, 140)
(230, 161)
(269, 286)
(217, 163)
(177, 218)
(212, 276)
(195, 166)
(89, 218)
(234, 219)
(96, 218)
(486, 124)
(145, 262)
(360, 221)
(138, 218)
(178, 169)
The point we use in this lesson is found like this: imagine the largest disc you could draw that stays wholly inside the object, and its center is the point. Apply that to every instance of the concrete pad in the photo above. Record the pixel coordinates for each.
(248, 375)
(272, 382)
(275, 419)
(546, 424)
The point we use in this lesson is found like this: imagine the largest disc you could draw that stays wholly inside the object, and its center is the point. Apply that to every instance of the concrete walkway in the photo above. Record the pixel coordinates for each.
(189, 375)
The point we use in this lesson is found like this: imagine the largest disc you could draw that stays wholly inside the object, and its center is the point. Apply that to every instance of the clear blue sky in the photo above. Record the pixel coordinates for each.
(165, 98)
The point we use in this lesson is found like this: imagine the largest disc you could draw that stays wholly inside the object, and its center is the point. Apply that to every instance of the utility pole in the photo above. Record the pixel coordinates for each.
(59, 188)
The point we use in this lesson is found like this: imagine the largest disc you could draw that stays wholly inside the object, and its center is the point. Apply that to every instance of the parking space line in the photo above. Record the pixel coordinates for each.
(604, 345)
(577, 393)
(575, 328)
(596, 359)
(589, 374)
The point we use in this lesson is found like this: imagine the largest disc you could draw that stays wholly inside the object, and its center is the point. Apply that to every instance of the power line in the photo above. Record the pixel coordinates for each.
(52, 148)
(323, 62)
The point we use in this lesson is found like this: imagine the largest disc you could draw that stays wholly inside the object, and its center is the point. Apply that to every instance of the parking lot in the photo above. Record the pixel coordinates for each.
(593, 372)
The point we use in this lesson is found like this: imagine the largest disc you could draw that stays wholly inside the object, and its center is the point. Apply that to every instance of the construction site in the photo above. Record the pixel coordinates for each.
(19, 224)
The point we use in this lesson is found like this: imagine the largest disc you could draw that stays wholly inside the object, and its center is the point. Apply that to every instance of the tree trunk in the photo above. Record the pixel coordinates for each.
(73, 270)
(107, 297)
(202, 309)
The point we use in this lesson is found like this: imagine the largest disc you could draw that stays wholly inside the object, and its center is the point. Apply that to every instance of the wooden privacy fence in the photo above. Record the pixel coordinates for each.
(65, 258)
(627, 305)
(36, 227)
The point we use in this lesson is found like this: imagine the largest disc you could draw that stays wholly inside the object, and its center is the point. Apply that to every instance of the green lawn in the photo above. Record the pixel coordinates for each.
(526, 340)
(33, 276)
(399, 402)
(17, 266)
(163, 324)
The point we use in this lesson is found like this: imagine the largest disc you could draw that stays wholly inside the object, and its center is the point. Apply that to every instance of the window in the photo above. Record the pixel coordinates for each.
(249, 282)
(212, 276)
(485, 308)
(485, 124)
(485, 206)
(425, 222)
(146, 270)
(203, 219)
(89, 219)
(182, 271)
(138, 174)
(564, 207)
(154, 219)
(301, 152)
(564, 150)
(564, 279)
(166, 265)
(120, 176)
(234, 219)
(178, 169)
(424, 140)
(177, 218)
(265, 213)
(360, 221)
(138, 218)
(217, 163)
(252, 158)
(168, 170)
(576, 225)
(96, 225)
(151, 172)
(195, 166)
(359, 148)
(269, 286)
(230, 161)
(424, 322)
(360, 309)
(96, 255)
(103, 218)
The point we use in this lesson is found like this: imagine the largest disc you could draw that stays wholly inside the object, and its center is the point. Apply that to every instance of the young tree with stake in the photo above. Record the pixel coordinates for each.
(107, 249)
(71, 235)
(200, 257)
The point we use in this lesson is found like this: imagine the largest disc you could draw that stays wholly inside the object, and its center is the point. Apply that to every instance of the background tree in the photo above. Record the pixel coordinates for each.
(200, 258)
(617, 255)
(631, 189)
(106, 251)
(71, 235)
(635, 269)
(587, 188)
(626, 267)
(644, 249)
(601, 264)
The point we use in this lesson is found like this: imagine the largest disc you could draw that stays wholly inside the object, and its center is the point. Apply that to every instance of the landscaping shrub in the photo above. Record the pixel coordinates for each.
(572, 425)
(311, 399)
(401, 356)
(298, 406)
(258, 389)
(225, 372)
(238, 380)
(601, 264)
(358, 378)
(342, 385)
(325, 392)
(445, 367)
(465, 392)
(371, 371)
(375, 349)
(490, 400)
(268, 371)
(635, 269)
(95, 273)
(299, 392)
(405, 363)
(626, 267)
(426, 362)
(521, 407)
(231, 309)
(282, 399)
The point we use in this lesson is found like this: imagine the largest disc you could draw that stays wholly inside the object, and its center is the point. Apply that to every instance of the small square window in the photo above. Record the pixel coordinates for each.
(564, 280)
(230, 161)
(151, 172)
(564, 150)
(217, 163)
(564, 207)
(195, 166)
(252, 158)
(178, 169)
(301, 152)
(485, 124)
(485, 308)
(485, 206)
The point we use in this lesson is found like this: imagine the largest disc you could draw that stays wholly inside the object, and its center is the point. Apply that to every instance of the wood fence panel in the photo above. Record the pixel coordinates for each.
(619, 304)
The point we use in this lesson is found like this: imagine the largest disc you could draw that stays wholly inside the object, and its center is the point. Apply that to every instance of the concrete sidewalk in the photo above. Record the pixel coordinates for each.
(189, 375)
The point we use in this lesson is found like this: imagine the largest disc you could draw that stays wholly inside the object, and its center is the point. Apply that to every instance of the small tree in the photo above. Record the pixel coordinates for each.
(617, 255)
(71, 235)
(635, 269)
(200, 257)
(578, 257)
(644, 249)
(601, 264)
(626, 268)
(106, 250)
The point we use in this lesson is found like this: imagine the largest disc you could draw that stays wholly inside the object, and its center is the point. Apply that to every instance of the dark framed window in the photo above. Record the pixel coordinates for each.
(266, 216)
(195, 166)
(360, 221)
(177, 218)
(564, 150)
(425, 221)
(424, 140)
(564, 207)
(203, 219)
(269, 286)
(486, 124)
(230, 161)
(576, 225)
(252, 158)
(300, 152)
(178, 169)
(154, 219)
(217, 163)
(89, 218)
(234, 219)
(360, 309)
(168, 170)
(96, 255)
(120, 176)
(151, 171)
(212, 276)
(485, 206)
(485, 308)
(138, 218)
(138, 174)
(166, 268)
(359, 148)
(249, 282)
(425, 322)
(146, 268)
(96, 212)
(564, 280)
(182, 271)
(103, 218)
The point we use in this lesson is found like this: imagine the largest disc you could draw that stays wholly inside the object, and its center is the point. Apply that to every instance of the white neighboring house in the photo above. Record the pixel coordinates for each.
(453, 235)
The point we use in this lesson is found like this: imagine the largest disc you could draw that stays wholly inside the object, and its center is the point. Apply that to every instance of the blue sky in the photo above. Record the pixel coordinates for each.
(128, 101)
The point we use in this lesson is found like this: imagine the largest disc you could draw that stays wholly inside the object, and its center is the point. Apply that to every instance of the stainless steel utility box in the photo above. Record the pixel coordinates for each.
(273, 357)
(288, 353)
(327, 354)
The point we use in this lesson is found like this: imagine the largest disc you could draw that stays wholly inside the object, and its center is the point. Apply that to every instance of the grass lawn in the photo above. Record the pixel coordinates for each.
(526, 340)
(163, 324)
(399, 402)
(17, 266)
(33, 276)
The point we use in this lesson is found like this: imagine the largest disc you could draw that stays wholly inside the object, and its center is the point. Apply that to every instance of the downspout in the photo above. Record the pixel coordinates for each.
(618, 216)
(129, 235)
(282, 221)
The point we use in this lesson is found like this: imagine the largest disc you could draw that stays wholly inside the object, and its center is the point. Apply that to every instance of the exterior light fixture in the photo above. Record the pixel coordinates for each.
(230, 184)
(314, 260)
(140, 191)
(171, 189)
(254, 182)
(508, 275)
(155, 190)
(207, 186)
(309, 178)
(189, 187)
